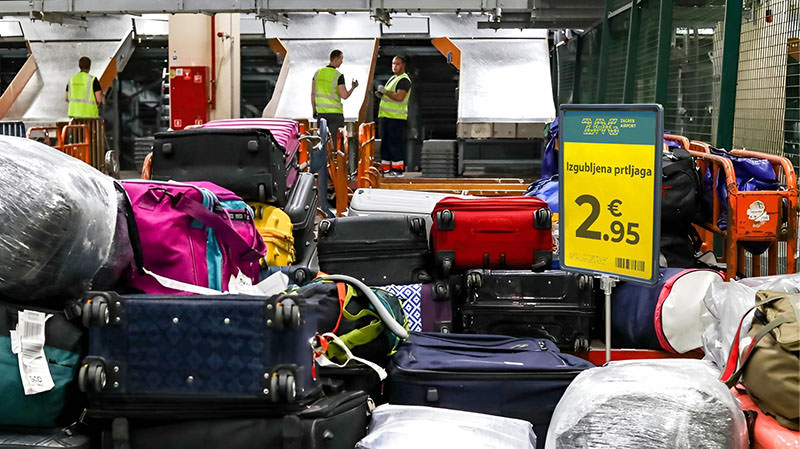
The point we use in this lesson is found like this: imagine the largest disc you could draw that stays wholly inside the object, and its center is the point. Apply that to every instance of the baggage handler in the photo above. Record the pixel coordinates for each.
(84, 93)
(327, 92)
(393, 115)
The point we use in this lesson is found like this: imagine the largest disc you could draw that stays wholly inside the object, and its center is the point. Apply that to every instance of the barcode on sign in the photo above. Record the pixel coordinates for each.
(629, 264)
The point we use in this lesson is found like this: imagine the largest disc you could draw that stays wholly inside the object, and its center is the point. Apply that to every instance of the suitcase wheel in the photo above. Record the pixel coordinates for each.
(581, 344)
(445, 220)
(283, 386)
(440, 290)
(300, 276)
(287, 313)
(92, 377)
(474, 281)
(94, 312)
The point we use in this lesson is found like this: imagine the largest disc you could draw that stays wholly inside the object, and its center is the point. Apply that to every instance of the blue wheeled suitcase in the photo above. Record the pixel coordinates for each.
(201, 350)
(514, 377)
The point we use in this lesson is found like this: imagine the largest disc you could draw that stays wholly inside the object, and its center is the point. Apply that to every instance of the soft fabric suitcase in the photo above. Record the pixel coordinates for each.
(285, 131)
(396, 202)
(56, 438)
(556, 305)
(493, 233)
(301, 207)
(337, 421)
(249, 162)
(665, 316)
(160, 349)
(378, 250)
(275, 228)
(62, 346)
(514, 377)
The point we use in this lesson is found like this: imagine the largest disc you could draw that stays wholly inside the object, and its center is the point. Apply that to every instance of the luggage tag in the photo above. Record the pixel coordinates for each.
(242, 285)
(27, 341)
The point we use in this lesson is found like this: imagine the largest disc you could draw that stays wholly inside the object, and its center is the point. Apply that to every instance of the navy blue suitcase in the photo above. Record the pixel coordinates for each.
(167, 349)
(514, 377)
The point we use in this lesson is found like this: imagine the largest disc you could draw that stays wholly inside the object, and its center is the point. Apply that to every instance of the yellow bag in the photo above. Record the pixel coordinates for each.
(275, 228)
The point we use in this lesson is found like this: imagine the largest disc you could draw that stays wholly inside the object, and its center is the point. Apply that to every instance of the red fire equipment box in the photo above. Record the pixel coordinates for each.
(188, 96)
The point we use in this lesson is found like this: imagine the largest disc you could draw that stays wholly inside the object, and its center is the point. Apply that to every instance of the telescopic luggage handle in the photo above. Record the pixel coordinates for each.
(385, 315)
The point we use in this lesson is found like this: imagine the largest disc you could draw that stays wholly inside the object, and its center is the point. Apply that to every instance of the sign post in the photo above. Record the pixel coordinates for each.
(610, 193)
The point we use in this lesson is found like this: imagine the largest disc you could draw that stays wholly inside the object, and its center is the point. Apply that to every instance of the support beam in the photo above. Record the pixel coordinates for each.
(24, 7)
(662, 59)
(730, 70)
(633, 47)
(605, 45)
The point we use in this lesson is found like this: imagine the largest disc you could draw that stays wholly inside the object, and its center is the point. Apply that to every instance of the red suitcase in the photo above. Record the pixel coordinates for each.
(491, 233)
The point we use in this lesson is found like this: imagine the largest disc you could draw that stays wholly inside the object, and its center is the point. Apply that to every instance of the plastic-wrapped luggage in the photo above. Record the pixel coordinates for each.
(56, 438)
(408, 426)
(58, 217)
(725, 305)
(654, 404)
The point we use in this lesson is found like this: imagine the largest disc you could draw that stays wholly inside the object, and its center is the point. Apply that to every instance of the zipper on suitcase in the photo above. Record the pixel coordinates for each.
(450, 375)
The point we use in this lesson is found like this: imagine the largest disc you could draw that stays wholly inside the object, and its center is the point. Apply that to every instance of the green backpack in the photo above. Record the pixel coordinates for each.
(370, 322)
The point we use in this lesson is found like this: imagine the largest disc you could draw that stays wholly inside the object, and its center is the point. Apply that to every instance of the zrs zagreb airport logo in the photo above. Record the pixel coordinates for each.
(606, 126)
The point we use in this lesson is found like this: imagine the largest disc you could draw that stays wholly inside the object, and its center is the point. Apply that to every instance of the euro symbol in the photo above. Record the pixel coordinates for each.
(613, 207)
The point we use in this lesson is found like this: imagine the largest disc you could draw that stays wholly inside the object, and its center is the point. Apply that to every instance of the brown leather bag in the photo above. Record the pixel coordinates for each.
(770, 365)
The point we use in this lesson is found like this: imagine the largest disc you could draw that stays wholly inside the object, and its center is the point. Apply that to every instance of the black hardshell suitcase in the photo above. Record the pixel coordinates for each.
(556, 305)
(377, 249)
(248, 162)
(301, 207)
(199, 351)
(337, 421)
(31, 438)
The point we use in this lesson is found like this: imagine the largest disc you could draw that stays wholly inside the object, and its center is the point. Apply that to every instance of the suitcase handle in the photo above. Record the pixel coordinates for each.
(387, 318)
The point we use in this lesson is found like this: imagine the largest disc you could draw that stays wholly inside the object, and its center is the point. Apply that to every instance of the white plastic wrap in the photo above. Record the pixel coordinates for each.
(726, 302)
(654, 404)
(410, 426)
(58, 216)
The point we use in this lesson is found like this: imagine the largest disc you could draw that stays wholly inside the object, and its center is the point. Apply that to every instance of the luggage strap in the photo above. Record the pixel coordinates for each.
(734, 366)
(320, 344)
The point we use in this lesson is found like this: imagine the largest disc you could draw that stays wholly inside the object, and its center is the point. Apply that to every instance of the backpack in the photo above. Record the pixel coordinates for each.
(770, 364)
(370, 324)
(194, 237)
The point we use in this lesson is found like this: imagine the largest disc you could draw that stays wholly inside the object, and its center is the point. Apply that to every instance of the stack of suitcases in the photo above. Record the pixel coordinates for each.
(209, 307)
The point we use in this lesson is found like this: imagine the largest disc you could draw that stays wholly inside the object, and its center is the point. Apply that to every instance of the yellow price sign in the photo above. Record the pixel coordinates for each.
(610, 189)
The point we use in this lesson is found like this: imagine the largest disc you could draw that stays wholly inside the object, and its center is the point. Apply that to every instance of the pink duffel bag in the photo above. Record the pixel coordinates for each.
(193, 237)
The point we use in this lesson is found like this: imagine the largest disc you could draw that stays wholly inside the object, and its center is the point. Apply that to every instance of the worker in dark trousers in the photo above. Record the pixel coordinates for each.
(83, 92)
(327, 92)
(393, 115)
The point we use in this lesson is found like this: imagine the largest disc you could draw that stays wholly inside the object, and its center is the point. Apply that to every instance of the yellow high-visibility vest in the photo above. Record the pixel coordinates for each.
(326, 91)
(82, 102)
(394, 109)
